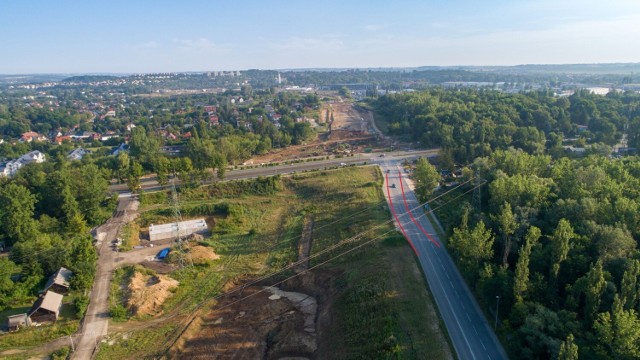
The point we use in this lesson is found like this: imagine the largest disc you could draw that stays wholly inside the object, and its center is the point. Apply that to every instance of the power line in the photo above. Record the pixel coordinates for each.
(343, 242)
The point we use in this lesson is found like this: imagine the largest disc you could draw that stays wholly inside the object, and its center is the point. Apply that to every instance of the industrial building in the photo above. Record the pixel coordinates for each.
(175, 230)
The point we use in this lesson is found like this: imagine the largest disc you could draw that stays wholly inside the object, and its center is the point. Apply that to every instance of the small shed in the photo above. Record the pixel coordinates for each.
(59, 281)
(46, 308)
(15, 322)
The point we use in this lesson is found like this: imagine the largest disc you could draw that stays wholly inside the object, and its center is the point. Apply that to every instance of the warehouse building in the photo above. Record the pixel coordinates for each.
(175, 230)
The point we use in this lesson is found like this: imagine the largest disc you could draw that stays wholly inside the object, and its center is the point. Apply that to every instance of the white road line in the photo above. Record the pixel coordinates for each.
(482, 343)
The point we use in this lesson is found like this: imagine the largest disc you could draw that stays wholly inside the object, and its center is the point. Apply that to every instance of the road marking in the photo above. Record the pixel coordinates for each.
(468, 317)
(482, 343)
(404, 198)
(393, 210)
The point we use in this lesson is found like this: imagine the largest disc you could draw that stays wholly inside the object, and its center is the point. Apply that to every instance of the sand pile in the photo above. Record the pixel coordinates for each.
(202, 254)
(147, 293)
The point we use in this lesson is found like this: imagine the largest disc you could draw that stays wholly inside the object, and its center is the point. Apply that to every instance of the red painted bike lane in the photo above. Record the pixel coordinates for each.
(393, 211)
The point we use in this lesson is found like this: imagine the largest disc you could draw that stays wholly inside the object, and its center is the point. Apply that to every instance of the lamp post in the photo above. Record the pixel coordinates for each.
(495, 326)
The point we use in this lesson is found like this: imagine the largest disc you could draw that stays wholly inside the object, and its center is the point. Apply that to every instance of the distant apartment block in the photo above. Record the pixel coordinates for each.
(11, 167)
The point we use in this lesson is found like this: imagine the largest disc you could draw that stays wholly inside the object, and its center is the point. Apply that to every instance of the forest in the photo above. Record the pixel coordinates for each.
(46, 212)
(555, 234)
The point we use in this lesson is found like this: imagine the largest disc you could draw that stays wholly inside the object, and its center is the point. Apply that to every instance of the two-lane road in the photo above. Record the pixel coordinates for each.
(469, 331)
(150, 183)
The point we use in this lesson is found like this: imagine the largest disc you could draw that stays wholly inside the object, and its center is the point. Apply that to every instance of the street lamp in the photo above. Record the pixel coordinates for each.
(495, 326)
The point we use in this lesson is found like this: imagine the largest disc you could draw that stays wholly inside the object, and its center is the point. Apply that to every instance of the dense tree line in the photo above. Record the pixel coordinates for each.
(554, 237)
(46, 212)
(471, 123)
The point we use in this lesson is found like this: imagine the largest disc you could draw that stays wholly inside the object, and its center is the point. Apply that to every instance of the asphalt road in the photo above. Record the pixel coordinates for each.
(96, 321)
(149, 183)
(469, 331)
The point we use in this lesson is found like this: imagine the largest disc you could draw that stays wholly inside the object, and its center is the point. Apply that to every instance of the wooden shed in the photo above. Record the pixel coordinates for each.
(60, 281)
(15, 322)
(46, 308)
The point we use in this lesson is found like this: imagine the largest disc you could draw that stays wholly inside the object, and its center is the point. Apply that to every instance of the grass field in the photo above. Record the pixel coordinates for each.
(382, 309)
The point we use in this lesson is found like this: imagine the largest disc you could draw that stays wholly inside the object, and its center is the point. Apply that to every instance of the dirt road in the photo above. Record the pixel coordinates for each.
(96, 320)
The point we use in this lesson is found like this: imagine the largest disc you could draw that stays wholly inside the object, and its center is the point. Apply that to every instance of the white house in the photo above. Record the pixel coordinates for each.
(77, 154)
(11, 167)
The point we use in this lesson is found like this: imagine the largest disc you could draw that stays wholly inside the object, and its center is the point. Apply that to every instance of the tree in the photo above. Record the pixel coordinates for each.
(17, 206)
(560, 243)
(593, 293)
(568, 349)
(522, 266)
(629, 286)
(91, 189)
(619, 331)
(162, 167)
(344, 92)
(72, 216)
(427, 178)
(133, 178)
(123, 165)
(472, 247)
(7, 269)
(508, 225)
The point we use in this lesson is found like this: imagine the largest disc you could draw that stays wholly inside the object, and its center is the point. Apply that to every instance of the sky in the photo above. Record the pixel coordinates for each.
(145, 36)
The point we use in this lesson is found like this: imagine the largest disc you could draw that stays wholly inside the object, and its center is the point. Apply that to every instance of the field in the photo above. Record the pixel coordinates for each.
(258, 225)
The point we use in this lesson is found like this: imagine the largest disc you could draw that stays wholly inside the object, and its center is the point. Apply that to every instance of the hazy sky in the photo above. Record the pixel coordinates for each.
(188, 35)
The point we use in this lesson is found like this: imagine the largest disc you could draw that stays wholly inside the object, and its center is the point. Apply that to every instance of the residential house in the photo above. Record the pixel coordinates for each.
(110, 113)
(77, 154)
(60, 139)
(30, 136)
(121, 148)
(59, 282)
(46, 308)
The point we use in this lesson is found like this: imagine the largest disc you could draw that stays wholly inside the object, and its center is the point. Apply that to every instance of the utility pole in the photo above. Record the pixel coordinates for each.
(73, 348)
(175, 202)
(495, 326)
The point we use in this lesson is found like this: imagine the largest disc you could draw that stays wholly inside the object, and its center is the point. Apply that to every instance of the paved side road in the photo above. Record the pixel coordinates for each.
(469, 331)
(96, 320)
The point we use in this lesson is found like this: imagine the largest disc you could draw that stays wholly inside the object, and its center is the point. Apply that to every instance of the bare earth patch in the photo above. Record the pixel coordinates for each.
(202, 254)
(147, 293)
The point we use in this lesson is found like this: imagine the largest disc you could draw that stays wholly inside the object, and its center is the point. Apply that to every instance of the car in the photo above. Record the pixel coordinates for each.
(388, 171)
(381, 155)
(343, 164)
(393, 186)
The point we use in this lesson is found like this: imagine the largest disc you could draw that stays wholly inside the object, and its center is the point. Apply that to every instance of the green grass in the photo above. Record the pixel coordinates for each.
(137, 344)
(130, 234)
(34, 336)
(118, 293)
